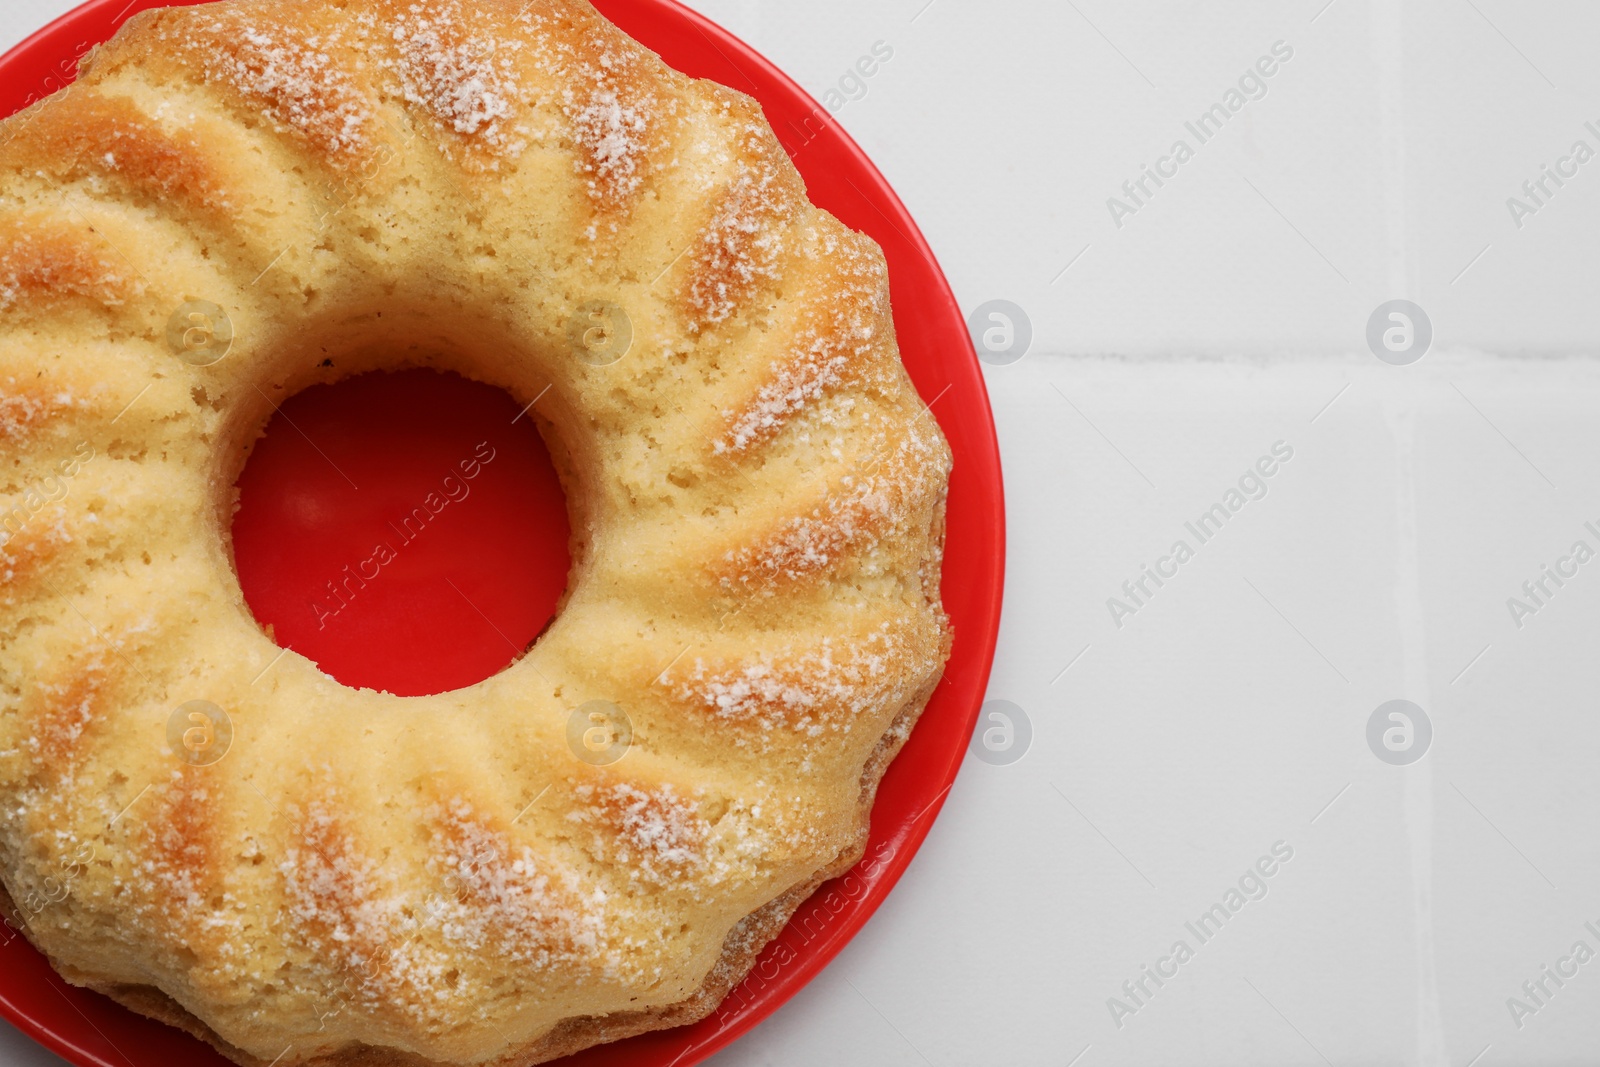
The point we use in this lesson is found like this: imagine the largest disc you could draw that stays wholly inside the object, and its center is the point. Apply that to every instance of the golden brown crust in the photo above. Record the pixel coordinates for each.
(28, 554)
(45, 263)
(109, 137)
(293, 64)
(65, 709)
(890, 489)
(844, 336)
(622, 111)
(741, 249)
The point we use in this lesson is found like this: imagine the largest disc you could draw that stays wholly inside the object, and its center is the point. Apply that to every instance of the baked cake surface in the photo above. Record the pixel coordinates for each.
(519, 192)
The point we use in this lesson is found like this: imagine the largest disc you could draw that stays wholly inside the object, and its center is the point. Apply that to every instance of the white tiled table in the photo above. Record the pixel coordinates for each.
(1169, 354)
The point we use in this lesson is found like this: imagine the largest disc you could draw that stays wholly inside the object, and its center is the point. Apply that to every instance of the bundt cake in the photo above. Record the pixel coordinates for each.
(238, 200)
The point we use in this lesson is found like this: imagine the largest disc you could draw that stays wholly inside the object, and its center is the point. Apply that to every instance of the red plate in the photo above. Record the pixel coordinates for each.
(90, 1030)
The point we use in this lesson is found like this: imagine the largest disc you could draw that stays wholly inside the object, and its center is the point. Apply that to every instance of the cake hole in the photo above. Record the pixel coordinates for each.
(404, 531)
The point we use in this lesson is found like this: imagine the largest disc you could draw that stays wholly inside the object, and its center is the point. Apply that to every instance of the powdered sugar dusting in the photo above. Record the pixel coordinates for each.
(468, 81)
(742, 246)
(614, 137)
(609, 91)
(654, 834)
(826, 687)
(22, 411)
(301, 79)
(428, 946)
(49, 264)
(67, 705)
(179, 889)
(501, 897)
(23, 549)
(873, 501)
(177, 858)
(339, 903)
(110, 135)
(840, 334)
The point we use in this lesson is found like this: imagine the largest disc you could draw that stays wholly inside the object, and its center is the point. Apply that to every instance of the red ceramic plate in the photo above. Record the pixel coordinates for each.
(90, 1030)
